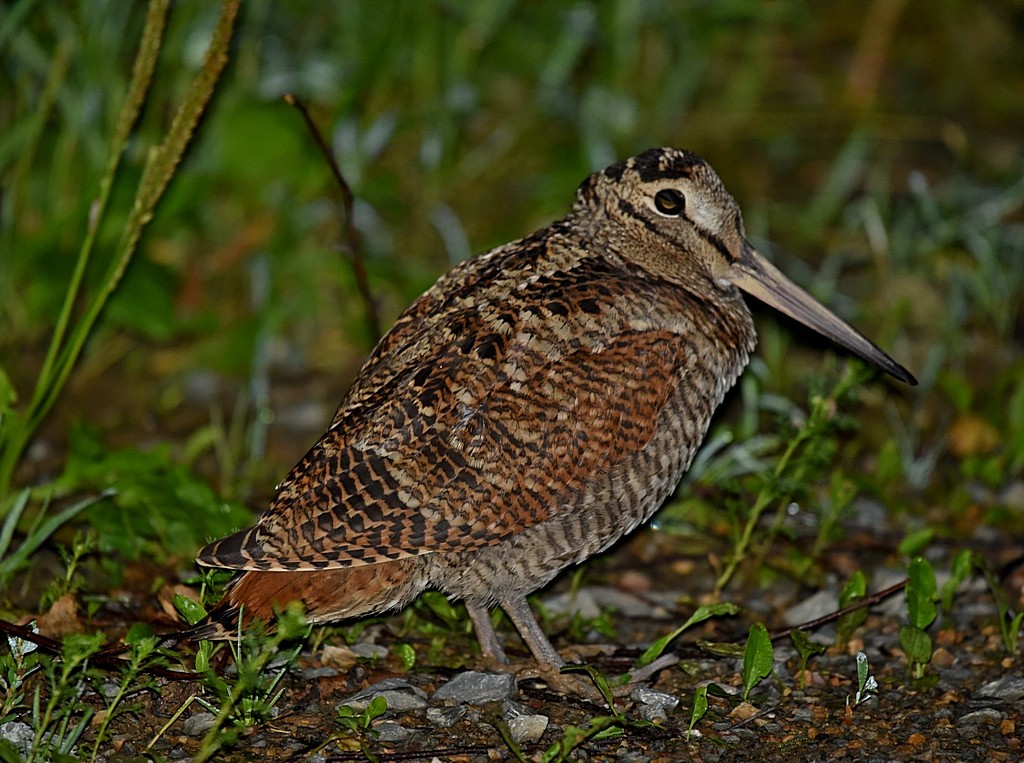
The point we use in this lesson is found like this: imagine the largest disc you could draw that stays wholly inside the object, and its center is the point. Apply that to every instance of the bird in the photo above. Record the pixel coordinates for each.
(538, 403)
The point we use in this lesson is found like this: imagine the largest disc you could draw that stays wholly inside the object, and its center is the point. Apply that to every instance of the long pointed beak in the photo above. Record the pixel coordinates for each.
(759, 278)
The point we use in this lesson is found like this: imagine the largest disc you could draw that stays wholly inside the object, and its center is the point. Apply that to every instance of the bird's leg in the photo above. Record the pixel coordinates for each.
(490, 646)
(551, 663)
(519, 612)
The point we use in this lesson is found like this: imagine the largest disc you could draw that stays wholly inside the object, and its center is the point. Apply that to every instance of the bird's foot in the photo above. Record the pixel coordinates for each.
(584, 683)
(564, 682)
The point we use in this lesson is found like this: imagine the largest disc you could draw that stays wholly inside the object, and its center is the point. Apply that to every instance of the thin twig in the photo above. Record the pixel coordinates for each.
(353, 241)
(108, 659)
(867, 601)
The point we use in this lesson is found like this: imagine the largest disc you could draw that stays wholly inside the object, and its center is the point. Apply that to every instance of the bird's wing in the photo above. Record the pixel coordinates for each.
(476, 438)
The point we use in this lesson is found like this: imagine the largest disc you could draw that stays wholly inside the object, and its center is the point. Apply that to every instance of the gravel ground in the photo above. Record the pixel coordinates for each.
(967, 707)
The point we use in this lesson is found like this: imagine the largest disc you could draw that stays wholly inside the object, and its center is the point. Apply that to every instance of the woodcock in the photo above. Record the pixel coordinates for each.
(539, 402)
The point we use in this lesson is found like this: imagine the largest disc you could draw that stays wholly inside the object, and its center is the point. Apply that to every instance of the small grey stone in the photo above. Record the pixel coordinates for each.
(623, 602)
(397, 692)
(1013, 495)
(198, 724)
(393, 733)
(311, 674)
(19, 734)
(803, 714)
(654, 705)
(633, 756)
(894, 606)
(445, 717)
(817, 605)
(525, 726)
(474, 688)
(370, 651)
(580, 602)
(1007, 688)
(984, 715)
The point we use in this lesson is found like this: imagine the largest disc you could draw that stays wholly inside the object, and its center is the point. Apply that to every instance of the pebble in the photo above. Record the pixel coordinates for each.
(1007, 688)
(370, 651)
(655, 705)
(473, 688)
(18, 734)
(400, 695)
(393, 733)
(446, 717)
(591, 601)
(524, 725)
(312, 674)
(984, 715)
(198, 724)
(817, 605)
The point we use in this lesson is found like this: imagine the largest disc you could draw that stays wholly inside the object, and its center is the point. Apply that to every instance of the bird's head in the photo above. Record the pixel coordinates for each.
(668, 213)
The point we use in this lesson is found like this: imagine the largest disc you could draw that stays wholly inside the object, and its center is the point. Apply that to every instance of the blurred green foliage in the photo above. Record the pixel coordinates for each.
(877, 146)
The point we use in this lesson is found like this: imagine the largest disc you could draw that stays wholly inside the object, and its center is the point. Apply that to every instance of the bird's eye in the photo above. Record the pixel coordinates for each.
(670, 202)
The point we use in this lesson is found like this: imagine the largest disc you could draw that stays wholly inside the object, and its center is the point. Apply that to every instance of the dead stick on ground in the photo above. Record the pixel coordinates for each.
(867, 601)
(352, 240)
(108, 659)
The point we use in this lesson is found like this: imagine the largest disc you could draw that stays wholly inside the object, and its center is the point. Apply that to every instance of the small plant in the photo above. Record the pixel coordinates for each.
(959, 571)
(580, 626)
(655, 650)
(60, 722)
(757, 658)
(193, 612)
(866, 683)
(808, 451)
(1009, 622)
(806, 649)
(921, 595)
(251, 696)
(15, 666)
(142, 655)
(406, 654)
(351, 719)
(82, 545)
(700, 707)
(13, 558)
(600, 727)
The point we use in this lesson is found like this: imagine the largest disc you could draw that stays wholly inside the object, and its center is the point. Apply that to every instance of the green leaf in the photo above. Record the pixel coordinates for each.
(757, 657)
(438, 604)
(406, 655)
(959, 572)
(856, 588)
(917, 645)
(804, 646)
(599, 679)
(188, 608)
(916, 542)
(42, 528)
(158, 508)
(862, 670)
(921, 593)
(703, 613)
(720, 648)
(8, 395)
(138, 633)
(700, 707)
(377, 707)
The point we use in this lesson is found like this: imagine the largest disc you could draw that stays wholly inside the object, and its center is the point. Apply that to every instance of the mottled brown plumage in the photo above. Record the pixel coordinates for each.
(536, 404)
